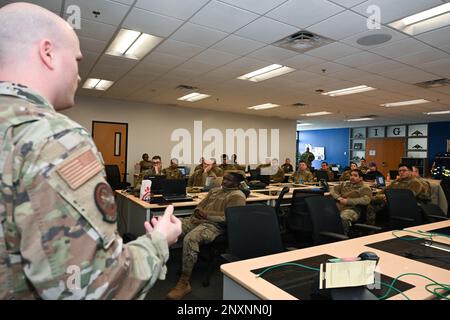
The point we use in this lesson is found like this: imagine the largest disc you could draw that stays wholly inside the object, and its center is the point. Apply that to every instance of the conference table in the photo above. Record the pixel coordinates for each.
(239, 282)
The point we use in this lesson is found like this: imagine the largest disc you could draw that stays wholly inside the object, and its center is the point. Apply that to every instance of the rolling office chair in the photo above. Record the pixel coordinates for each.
(445, 184)
(404, 211)
(326, 220)
(281, 214)
(113, 177)
(252, 232)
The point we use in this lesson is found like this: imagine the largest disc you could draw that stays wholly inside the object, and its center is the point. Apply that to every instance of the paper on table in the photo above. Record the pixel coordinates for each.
(347, 274)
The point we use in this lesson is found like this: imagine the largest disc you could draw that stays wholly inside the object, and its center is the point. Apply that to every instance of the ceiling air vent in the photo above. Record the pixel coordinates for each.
(434, 83)
(299, 104)
(186, 87)
(302, 41)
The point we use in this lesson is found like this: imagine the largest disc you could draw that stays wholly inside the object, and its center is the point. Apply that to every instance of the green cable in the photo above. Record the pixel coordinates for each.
(394, 233)
(286, 264)
(441, 285)
(393, 288)
(432, 234)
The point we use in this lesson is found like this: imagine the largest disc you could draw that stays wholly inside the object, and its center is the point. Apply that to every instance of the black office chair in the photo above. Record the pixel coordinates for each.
(252, 232)
(326, 221)
(113, 177)
(445, 184)
(281, 214)
(212, 252)
(298, 219)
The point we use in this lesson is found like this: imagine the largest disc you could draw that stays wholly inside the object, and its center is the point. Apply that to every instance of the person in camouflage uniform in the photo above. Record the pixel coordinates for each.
(200, 166)
(302, 174)
(287, 166)
(209, 173)
(204, 226)
(144, 164)
(347, 173)
(406, 180)
(154, 170)
(276, 173)
(58, 232)
(351, 195)
(363, 166)
(324, 167)
(426, 186)
(225, 165)
(308, 157)
(172, 172)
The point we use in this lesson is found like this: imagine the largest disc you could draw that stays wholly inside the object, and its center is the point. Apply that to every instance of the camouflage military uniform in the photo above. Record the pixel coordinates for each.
(172, 173)
(277, 177)
(330, 175)
(421, 190)
(357, 195)
(145, 165)
(301, 176)
(58, 213)
(345, 175)
(308, 158)
(227, 166)
(198, 178)
(199, 231)
(148, 172)
(287, 168)
(364, 169)
(198, 167)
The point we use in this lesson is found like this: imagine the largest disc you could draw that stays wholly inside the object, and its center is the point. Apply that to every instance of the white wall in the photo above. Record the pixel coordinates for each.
(150, 126)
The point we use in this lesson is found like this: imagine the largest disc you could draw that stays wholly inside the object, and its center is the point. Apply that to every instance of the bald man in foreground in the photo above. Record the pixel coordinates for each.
(58, 232)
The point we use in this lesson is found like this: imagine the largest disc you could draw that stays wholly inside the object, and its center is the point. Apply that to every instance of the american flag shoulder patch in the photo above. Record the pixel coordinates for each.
(77, 170)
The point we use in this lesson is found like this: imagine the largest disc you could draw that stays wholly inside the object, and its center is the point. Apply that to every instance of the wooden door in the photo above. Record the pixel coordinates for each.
(111, 139)
(388, 153)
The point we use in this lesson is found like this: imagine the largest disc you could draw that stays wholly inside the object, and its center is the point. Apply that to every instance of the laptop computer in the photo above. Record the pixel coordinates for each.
(156, 187)
(175, 190)
(264, 179)
(183, 171)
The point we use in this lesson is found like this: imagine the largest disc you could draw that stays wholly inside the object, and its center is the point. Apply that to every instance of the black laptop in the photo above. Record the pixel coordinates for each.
(157, 183)
(175, 190)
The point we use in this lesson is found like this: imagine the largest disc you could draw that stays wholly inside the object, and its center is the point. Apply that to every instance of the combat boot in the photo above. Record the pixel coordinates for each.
(182, 288)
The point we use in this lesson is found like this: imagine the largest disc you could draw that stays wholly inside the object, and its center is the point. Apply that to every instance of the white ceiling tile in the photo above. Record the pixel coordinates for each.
(440, 67)
(198, 35)
(329, 67)
(181, 9)
(195, 67)
(401, 47)
(214, 57)
(340, 26)
(151, 23)
(445, 48)
(223, 17)
(266, 30)
(127, 2)
(349, 74)
(302, 61)
(164, 59)
(144, 75)
(382, 66)
(301, 76)
(118, 62)
(392, 10)
(237, 45)
(96, 30)
(360, 59)
(332, 51)
(383, 30)
(304, 13)
(272, 54)
(110, 12)
(409, 75)
(88, 61)
(153, 68)
(92, 45)
(438, 38)
(178, 48)
(347, 3)
(107, 72)
(422, 57)
(258, 6)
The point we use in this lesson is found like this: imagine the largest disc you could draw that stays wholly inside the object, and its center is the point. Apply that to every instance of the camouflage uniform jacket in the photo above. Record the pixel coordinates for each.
(145, 165)
(345, 175)
(307, 157)
(227, 166)
(172, 173)
(198, 178)
(330, 174)
(217, 200)
(287, 168)
(356, 194)
(305, 176)
(417, 187)
(58, 213)
(277, 177)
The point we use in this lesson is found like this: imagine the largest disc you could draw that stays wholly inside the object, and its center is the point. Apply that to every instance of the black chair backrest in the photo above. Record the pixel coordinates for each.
(113, 176)
(280, 199)
(299, 217)
(445, 184)
(402, 206)
(253, 231)
(325, 217)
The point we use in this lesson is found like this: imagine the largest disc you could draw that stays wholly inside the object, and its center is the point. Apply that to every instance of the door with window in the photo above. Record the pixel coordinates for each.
(386, 153)
(111, 139)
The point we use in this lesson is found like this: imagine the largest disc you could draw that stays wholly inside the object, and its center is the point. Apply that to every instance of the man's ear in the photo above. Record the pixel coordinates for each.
(46, 53)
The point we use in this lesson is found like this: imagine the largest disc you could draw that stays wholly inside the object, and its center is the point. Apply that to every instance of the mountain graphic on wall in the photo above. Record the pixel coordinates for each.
(417, 133)
(417, 146)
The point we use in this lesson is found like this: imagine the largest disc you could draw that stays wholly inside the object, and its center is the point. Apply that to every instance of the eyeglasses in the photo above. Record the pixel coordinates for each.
(400, 170)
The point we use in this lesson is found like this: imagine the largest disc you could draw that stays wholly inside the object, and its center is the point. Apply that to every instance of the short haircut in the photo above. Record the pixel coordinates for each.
(156, 157)
(360, 174)
(405, 165)
(301, 161)
(324, 162)
(237, 177)
(351, 162)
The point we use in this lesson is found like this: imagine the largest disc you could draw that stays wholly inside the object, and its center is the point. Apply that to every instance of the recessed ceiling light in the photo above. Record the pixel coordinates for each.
(314, 114)
(133, 44)
(274, 70)
(195, 96)
(436, 112)
(264, 106)
(424, 21)
(359, 119)
(346, 91)
(97, 84)
(304, 124)
(404, 103)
